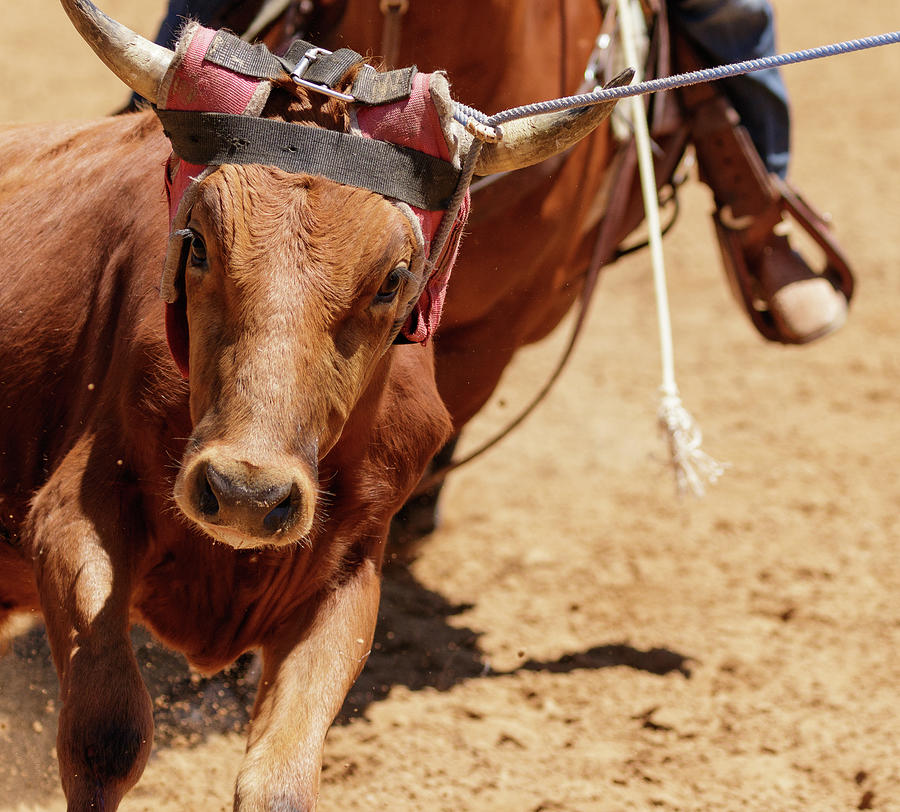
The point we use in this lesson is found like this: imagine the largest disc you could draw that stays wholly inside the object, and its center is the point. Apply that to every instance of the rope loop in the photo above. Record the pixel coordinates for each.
(483, 132)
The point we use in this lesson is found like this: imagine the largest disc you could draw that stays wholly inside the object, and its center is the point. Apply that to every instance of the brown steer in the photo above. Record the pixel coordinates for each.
(247, 508)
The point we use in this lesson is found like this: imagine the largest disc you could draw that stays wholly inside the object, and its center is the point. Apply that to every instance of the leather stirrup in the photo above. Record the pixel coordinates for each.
(750, 202)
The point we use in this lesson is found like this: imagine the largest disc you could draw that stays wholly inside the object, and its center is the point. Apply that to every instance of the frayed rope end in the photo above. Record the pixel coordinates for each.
(693, 467)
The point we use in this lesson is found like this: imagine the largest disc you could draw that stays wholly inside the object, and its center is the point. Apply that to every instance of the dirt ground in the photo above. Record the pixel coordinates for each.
(575, 637)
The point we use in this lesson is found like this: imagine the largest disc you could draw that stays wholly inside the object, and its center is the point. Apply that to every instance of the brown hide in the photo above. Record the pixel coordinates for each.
(97, 418)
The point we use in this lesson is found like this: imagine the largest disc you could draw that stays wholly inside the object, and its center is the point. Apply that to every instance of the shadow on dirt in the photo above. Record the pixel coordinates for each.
(415, 647)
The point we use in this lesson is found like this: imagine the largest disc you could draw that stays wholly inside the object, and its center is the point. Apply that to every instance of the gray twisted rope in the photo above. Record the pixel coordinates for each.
(464, 113)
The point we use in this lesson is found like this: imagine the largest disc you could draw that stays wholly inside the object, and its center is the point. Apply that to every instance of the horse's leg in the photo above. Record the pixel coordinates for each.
(420, 516)
(466, 383)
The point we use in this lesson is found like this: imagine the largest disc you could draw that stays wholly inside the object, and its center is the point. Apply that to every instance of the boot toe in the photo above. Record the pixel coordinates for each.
(808, 309)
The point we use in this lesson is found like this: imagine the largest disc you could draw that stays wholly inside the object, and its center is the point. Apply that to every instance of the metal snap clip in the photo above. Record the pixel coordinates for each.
(303, 65)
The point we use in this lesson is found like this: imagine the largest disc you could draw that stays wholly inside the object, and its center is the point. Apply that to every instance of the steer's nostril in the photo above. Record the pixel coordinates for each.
(280, 515)
(207, 502)
(265, 503)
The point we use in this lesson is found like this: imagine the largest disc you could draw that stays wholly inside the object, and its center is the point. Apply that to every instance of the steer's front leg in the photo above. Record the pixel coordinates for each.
(307, 672)
(84, 572)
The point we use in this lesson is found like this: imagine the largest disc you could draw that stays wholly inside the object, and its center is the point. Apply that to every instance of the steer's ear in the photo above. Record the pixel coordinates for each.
(528, 141)
(139, 63)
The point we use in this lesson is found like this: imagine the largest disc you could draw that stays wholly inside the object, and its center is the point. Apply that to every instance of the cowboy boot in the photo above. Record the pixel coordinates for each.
(802, 304)
(786, 299)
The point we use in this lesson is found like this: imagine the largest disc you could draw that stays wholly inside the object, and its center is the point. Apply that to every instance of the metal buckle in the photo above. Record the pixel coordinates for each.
(308, 58)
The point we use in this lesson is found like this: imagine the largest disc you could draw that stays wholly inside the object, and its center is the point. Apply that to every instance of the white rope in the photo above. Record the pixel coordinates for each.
(692, 466)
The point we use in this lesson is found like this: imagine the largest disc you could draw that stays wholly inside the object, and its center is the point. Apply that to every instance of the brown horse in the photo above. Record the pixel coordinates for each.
(530, 240)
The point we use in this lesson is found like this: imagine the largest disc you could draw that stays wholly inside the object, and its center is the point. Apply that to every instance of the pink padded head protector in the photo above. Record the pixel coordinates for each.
(419, 121)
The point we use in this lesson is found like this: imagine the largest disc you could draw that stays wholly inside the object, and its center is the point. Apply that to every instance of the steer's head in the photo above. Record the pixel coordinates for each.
(294, 287)
(287, 296)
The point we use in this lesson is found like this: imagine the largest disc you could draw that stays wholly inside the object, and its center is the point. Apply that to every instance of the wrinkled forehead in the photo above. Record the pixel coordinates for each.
(265, 208)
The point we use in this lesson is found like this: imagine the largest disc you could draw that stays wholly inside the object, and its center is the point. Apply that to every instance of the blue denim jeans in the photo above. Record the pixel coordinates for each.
(732, 31)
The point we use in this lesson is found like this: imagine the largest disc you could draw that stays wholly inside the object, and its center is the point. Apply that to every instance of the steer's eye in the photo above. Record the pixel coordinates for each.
(198, 251)
(391, 285)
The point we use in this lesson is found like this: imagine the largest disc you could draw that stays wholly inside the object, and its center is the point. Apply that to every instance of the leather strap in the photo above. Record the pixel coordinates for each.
(393, 12)
(726, 157)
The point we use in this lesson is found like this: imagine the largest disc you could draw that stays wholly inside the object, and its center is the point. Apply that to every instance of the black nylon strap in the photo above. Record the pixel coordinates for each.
(414, 177)
(372, 87)
(329, 69)
(228, 51)
(256, 61)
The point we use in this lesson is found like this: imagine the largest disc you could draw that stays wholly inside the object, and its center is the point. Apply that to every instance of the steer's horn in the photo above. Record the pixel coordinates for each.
(528, 141)
(139, 63)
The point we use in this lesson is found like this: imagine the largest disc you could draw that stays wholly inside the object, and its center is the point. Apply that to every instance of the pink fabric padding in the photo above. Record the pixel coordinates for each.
(203, 86)
(414, 123)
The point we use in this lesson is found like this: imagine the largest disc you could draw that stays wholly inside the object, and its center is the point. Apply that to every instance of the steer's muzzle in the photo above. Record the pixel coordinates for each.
(244, 504)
